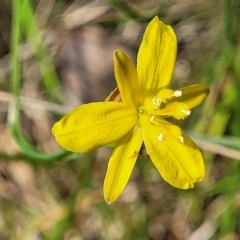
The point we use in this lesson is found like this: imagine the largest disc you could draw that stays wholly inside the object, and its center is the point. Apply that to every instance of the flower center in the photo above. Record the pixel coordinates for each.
(167, 103)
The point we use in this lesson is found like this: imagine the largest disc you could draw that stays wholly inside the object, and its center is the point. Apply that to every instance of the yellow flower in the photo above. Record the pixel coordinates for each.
(141, 116)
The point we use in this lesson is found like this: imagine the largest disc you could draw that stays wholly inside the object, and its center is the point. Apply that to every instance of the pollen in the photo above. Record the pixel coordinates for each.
(188, 112)
(177, 93)
(181, 139)
(160, 137)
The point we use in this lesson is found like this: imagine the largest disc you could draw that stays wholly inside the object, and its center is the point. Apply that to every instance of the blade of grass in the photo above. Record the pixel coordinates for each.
(217, 145)
(14, 117)
(35, 103)
(122, 7)
(35, 39)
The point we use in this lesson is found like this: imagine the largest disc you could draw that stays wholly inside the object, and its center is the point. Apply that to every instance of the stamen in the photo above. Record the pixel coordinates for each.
(165, 94)
(175, 109)
(188, 112)
(181, 139)
(152, 118)
(177, 93)
(160, 137)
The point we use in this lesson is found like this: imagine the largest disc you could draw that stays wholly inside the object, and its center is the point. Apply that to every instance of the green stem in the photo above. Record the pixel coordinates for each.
(29, 150)
(14, 61)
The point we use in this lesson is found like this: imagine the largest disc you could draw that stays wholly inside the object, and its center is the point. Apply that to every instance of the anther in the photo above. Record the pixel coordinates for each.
(177, 93)
(188, 112)
(160, 137)
(152, 118)
(181, 139)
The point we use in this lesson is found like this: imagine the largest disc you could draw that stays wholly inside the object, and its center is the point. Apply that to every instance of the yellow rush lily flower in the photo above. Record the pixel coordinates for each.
(141, 116)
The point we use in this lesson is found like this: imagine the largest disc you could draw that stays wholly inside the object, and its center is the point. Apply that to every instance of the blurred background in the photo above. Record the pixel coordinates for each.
(58, 54)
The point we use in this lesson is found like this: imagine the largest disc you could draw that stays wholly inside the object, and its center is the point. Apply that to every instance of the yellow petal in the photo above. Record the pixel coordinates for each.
(174, 154)
(156, 57)
(192, 95)
(93, 125)
(127, 79)
(121, 164)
